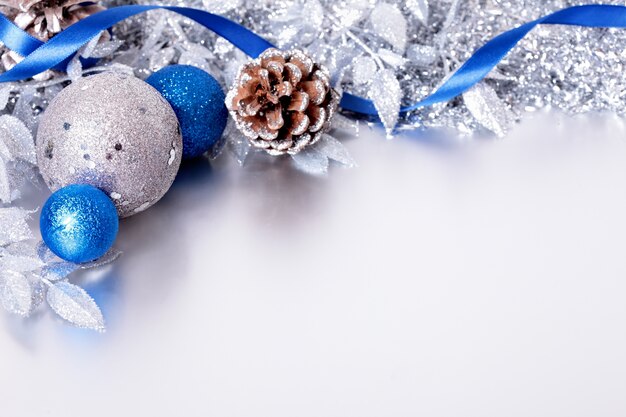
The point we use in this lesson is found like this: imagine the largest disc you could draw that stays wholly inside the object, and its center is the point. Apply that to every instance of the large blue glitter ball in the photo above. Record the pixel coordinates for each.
(79, 223)
(198, 101)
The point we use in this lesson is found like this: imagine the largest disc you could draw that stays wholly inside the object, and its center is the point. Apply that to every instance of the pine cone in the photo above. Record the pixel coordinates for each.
(282, 101)
(43, 19)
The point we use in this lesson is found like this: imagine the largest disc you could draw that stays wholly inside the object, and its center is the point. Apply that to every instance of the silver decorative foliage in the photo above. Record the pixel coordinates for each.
(385, 93)
(570, 68)
(15, 292)
(30, 273)
(389, 24)
(17, 156)
(73, 304)
(484, 104)
(419, 8)
(316, 159)
(14, 226)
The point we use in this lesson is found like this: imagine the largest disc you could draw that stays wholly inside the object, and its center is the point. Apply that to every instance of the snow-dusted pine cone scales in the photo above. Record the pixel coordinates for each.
(282, 101)
(43, 19)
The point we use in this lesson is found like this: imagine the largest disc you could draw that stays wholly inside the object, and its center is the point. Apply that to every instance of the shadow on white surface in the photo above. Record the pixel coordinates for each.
(442, 277)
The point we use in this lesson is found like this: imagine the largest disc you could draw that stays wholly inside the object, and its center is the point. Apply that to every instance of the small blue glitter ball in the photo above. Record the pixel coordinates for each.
(198, 101)
(79, 223)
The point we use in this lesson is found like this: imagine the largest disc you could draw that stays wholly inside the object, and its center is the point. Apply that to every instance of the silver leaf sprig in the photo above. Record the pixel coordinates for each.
(31, 274)
(17, 155)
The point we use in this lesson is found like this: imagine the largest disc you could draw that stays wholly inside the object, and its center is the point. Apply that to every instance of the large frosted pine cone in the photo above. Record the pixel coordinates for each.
(282, 101)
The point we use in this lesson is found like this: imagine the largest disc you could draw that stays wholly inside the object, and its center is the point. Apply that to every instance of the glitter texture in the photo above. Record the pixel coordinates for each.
(79, 223)
(569, 68)
(198, 100)
(114, 132)
(74, 305)
(14, 226)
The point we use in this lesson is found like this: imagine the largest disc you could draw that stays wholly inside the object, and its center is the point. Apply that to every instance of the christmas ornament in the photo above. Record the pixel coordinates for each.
(198, 100)
(115, 132)
(79, 223)
(282, 101)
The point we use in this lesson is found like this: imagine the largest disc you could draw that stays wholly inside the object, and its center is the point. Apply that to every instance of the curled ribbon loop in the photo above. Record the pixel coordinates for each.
(41, 56)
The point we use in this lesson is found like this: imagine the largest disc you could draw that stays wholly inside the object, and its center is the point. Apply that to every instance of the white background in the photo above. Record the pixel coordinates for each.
(439, 278)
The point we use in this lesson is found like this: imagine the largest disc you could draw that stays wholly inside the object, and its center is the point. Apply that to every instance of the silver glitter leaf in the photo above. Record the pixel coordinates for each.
(75, 68)
(57, 271)
(236, 143)
(73, 304)
(162, 58)
(363, 70)
(44, 252)
(349, 12)
(311, 161)
(389, 23)
(15, 293)
(23, 248)
(419, 9)
(105, 49)
(341, 122)
(20, 263)
(5, 153)
(5, 94)
(488, 109)
(17, 138)
(86, 51)
(240, 148)
(385, 93)
(198, 56)
(13, 225)
(391, 58)
(422, 55)
(5, 186)
(333, 149)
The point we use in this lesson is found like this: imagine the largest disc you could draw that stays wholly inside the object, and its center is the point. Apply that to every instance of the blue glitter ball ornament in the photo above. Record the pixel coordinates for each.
(198, 101)
(79, 223)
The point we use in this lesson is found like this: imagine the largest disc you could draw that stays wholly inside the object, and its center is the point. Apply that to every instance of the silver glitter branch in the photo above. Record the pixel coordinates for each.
(30, 274)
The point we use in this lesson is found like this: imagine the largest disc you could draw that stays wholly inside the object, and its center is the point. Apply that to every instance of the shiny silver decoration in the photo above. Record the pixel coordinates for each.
(385, 93)
(488, 110)
(17, 157)
(14, 226)
(115, 132)
(73, 304)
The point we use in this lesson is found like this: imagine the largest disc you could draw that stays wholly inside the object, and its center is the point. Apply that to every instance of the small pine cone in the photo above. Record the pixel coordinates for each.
(282, 101)
(43, 19)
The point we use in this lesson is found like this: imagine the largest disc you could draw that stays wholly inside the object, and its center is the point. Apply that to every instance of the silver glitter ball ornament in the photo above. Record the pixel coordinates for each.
(115, 132)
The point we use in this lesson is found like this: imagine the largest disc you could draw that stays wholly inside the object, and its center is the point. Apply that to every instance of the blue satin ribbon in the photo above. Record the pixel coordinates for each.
(41, 56)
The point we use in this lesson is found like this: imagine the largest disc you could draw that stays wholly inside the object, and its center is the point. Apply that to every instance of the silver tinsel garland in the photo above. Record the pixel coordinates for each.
(395, 52)
(405, 49)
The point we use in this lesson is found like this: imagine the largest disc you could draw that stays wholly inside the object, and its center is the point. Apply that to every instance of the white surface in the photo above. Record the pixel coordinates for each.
(437, 279)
